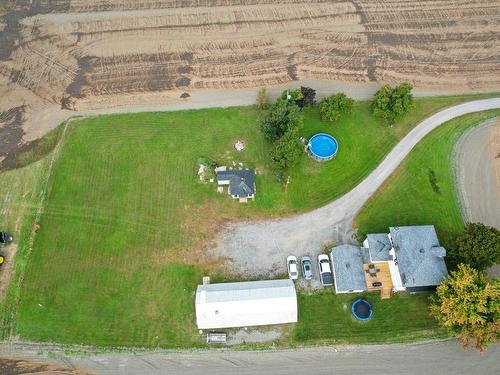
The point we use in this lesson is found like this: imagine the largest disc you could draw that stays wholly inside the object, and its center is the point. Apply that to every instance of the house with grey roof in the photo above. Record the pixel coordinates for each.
(406, 259)
(240, 182)
(419, 257)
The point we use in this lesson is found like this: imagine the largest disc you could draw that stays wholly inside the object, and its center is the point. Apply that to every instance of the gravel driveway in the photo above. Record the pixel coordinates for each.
(259, 249)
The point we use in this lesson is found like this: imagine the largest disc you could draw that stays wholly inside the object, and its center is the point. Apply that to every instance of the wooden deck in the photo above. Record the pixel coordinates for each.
(382, 275)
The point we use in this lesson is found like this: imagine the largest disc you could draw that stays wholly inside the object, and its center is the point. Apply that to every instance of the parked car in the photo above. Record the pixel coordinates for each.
(306, 264)
(291, 263)
(5, 238)
(325, 271)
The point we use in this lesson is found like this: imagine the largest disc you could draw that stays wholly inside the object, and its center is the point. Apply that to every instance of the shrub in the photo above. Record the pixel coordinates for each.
(262, 98)
(393, 103)
(333, 107)
(478, 246)
(309, 96)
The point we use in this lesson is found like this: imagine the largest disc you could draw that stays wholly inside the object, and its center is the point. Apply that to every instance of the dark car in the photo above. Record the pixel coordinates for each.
(306, 264)
(5, 238)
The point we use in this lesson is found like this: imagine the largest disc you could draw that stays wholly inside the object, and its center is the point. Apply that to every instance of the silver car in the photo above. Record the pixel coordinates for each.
(306, 265)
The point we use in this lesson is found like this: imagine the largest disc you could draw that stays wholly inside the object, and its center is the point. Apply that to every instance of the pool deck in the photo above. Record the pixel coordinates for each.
(382, 275)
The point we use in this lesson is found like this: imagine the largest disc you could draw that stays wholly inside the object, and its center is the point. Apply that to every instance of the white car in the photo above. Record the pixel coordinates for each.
(325, 271)
(293, 271)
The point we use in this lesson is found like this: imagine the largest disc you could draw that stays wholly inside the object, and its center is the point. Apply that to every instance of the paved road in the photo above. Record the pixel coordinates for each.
(422, 359)
(258, 248)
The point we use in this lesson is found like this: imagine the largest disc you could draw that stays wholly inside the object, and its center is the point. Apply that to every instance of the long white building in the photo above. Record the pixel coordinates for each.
(246, 304)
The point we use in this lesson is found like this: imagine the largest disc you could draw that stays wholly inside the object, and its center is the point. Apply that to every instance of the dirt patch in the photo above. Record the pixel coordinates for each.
(15, 366)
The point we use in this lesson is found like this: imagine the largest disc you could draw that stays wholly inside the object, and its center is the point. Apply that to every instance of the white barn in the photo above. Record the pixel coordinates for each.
(246, 304)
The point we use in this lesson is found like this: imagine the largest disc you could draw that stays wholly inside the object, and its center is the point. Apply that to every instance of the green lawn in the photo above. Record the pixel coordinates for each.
(408, 198)
(117, 255)
(325, 318)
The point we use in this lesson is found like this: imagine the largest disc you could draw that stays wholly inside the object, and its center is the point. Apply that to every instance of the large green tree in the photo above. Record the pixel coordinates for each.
(468, 307)
(478, 246)
(287, 150)
(283, 115)
(393, 103)
(334, 106)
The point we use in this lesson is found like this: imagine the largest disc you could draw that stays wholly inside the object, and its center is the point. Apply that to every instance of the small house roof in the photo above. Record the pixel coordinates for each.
(241, 181)
(348, 271)
(379, 246)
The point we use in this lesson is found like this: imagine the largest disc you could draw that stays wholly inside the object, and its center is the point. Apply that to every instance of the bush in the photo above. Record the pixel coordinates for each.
(287, 150)
(468, 307)
(393, 103)
(262, 98)
(295, 95)
(478, 246)
(309, 96)
(333, 107)
(283, 115)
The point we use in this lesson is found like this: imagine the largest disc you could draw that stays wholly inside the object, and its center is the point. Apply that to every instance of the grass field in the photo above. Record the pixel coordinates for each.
(408, 197)
(325, 318)
(118, 252)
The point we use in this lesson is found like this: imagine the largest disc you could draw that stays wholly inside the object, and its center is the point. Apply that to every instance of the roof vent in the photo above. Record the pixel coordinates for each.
(438, 251)
(206, 280)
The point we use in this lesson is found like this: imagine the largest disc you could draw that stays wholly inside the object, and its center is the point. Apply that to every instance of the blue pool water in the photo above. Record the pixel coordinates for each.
(323, 146)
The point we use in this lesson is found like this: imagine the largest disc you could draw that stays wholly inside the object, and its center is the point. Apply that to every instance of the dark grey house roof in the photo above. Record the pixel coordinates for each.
(241, 181)
(348, 271)
(379, 247)
(420, 257)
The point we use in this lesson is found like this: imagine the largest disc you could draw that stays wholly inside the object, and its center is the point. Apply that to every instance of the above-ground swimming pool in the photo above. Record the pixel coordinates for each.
(361, 309)
(322, 146)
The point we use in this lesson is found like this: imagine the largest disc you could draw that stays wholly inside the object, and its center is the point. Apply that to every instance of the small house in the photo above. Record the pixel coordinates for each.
(240, 182)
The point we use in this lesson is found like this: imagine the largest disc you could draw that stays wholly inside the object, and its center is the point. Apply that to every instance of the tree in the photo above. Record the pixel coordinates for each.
(283, 115)
(309, 96)
(287, 150)
(468, 307)
(478, 246)
(393, 103)
(262, 98)
(333, 107)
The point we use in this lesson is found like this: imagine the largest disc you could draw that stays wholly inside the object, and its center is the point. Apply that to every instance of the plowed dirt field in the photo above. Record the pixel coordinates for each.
(87, 54)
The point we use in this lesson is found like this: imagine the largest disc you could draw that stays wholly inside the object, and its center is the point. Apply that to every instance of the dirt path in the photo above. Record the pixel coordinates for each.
(478, 173)
(260, 248)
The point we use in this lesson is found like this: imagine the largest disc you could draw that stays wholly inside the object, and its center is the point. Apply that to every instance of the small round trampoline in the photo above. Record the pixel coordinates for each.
(322, 147)
(361, 309)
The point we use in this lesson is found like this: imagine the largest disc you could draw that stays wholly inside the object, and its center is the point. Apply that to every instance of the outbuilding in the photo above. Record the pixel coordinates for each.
(246, 304)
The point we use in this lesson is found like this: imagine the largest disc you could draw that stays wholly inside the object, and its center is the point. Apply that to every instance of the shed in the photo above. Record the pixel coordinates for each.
(246, 304)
